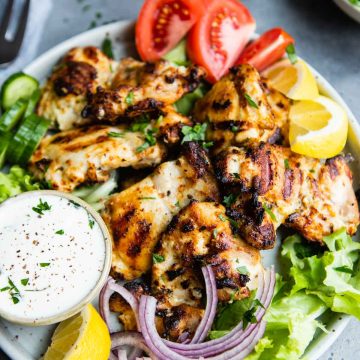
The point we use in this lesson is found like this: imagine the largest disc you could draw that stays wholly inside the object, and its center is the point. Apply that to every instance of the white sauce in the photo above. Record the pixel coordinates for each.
(62, 268)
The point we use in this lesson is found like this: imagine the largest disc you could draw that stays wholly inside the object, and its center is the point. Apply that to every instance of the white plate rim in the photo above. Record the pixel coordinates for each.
(13, 350)
(350, 9)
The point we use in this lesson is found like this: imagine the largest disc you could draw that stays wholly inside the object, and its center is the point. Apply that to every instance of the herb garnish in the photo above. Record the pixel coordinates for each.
(157, 258)
(345, 269)
(77, 205)
(222, 217)
(195, 133)
(13, 291)
(60, 232)
(147, 198)
(44, 264)
(229, 200)
(215, 233)
(116, 134)
(269, 212)
(291, 53)
(236, 175)
(150, 140)
(243, 270)
(234, 129)
(91, 222)
(129, 98)
(286, 164)
(41, 207)
(24, 282)
(177, 204)
(107, 48)
(251, 101)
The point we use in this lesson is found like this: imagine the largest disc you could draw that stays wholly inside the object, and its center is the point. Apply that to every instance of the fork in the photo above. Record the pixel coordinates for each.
(9, 48)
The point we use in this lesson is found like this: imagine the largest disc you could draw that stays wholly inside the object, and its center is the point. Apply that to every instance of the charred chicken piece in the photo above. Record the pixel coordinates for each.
(200, 234)
(272, 186)
(64, 96)
(147, 87)
(88, 155)
(137, 216)
(242, 110)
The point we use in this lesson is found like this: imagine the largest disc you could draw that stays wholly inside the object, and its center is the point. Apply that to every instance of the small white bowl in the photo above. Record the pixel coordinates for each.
(352, 10)
(76, 308)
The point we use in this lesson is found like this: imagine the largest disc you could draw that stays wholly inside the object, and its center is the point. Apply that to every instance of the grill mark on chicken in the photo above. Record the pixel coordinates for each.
(143, 230)
(303, 193)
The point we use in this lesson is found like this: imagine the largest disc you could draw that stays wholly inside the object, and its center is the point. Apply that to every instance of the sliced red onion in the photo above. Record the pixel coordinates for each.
(211, 305)
(130, 338)
(147, 311)
(111, 287)
(214, 347)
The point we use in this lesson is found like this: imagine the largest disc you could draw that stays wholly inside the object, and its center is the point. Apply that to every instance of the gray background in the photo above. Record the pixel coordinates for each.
(326, 38)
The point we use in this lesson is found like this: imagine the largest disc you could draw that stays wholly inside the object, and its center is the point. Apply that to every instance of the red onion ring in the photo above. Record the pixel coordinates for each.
(130, 338)
(214, 347)
(147, 311)
(211, 306)
(111, 287)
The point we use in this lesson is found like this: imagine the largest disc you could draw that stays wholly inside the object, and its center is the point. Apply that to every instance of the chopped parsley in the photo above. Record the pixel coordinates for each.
(236, 175)
(147, 198)
(177, 204)
(243, 270)
(116, 134)
(130, 98)
(291, 53)
(44, 264)
(160, 119)
(195, 133)
(229, 200)
(269, 212)
(222, 217)
(77, 205)
(60, 232)
(312, 171)
(345, 269)
(13, 291)
(150, 140)
(215, 233)
(41, 207)
(251, 101)
(286, 164)
(91, 222)
(234, 129)
(107, 48)
(157, 258)
(24, 282)
(207, 145)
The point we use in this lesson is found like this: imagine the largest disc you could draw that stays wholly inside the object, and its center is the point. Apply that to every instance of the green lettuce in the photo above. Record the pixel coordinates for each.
(16, 181)
(318, 279)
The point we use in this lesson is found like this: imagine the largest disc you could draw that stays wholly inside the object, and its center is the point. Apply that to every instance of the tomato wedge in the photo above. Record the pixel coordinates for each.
(163, 23)
(218, 38)
(267, 49)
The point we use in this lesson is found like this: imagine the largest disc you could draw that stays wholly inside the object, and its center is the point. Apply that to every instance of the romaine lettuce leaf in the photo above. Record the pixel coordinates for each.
(16, 182)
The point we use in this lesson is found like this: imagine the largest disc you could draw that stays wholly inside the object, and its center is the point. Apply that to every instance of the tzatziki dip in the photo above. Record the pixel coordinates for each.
(54, 255)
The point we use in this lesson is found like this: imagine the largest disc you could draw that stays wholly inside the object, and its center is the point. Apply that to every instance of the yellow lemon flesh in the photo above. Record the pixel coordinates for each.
(84, 336)
(296, 81)
(318, 128)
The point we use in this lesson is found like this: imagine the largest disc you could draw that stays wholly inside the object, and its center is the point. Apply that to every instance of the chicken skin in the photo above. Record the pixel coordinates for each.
(242, 108)
(88, 155)
(200, 234)
(64, 95)
(270, 186)
(142, 87)
(137, 216)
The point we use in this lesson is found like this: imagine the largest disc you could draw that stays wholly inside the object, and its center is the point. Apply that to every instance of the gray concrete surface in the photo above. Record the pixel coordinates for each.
(326, 37)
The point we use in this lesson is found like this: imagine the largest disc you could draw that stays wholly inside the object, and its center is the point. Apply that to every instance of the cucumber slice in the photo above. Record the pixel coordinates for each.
(34, 142)
(12, 116)
(21, 139)
(33, 101)
(17, 86)
(4, 144)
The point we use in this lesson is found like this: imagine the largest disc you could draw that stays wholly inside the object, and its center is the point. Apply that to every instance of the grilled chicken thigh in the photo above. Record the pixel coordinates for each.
(200, 234)
(144, 87)
(87, 155)
(137, 216)
(273, 186)
(64, 96)
(242, 110)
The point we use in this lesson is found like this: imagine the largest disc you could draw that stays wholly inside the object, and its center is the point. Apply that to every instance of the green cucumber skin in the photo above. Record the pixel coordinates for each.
(33, 101)
(34, 141)
(17, 86)
(4, 144)
(12, 116)
(21, 139)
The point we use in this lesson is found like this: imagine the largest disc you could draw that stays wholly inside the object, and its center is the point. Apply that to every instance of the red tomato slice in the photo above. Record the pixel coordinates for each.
(163, 23)
(267, 49)
(218, 38)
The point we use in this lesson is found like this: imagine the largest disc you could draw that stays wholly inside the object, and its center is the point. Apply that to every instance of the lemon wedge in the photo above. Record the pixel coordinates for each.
(296, 81)
(318, 128)
(82, 337)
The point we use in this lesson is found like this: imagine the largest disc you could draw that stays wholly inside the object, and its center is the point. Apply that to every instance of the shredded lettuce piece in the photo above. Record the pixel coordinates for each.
(16, 181)
(178, 54)
(318, 280)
